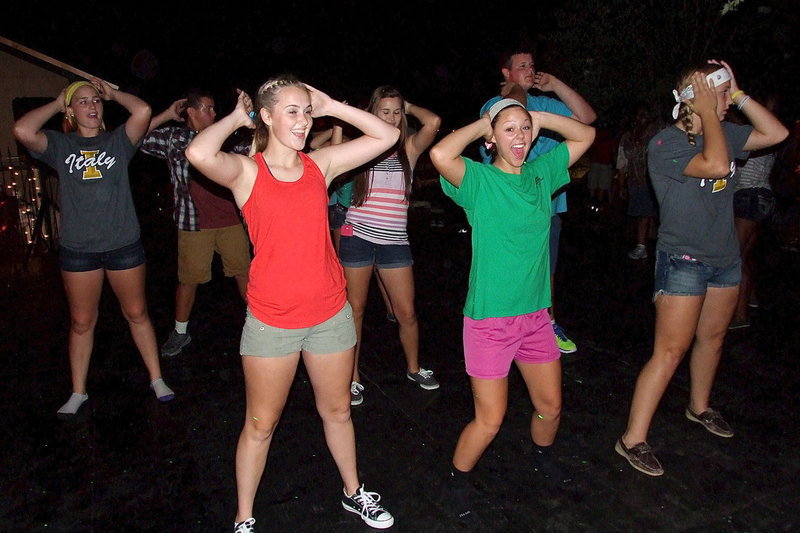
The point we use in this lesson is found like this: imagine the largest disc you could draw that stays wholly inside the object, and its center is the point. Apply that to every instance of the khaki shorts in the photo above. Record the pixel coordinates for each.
(336, 334)
(196, 252)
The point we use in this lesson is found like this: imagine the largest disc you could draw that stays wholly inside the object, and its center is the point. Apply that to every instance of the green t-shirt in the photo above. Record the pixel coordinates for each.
(510, 219)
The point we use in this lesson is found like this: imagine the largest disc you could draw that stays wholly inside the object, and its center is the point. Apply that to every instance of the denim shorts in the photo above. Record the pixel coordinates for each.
(127, 257)
(355, 252)
(682, 275)
(335, 335)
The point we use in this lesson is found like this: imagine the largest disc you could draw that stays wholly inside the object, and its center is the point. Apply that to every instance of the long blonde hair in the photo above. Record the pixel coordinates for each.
(266, 98)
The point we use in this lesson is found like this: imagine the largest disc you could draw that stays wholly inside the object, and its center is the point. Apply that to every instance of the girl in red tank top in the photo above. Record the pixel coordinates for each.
(296, 288)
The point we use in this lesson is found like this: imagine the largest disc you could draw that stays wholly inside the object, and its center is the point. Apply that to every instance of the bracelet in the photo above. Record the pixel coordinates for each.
(737, 93)
(744, 100)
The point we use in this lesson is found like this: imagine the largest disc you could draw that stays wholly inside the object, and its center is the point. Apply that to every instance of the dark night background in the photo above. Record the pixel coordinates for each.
(133, 464)
(442, 55)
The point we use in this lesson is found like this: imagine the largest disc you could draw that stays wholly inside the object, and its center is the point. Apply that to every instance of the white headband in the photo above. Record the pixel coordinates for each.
(502, 104)
(716, 78)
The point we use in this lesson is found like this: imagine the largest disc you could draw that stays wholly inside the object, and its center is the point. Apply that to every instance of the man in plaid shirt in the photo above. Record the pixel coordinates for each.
(206, 216)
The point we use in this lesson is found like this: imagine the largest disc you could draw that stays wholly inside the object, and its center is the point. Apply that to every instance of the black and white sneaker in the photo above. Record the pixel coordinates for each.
(366, 504)
(245, 526)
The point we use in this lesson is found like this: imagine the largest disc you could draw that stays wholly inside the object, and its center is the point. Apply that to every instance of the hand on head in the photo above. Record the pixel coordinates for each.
(705, 97)
(543, 81)
(178, 107)
(244, 105)
(734, 85)
(103, 88)
(320, 102)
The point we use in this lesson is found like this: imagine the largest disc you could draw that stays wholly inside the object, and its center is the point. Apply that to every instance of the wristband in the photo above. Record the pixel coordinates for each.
(744, 100)
(737, 93)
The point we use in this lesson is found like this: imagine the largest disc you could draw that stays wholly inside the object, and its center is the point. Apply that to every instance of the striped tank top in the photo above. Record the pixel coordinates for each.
(383, 217)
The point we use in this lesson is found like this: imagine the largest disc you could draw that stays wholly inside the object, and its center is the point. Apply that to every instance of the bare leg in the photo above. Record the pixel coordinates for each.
(387, 302)
(676, 322)
(714, 319)
(399, 283)
(544, 387)
(330, 377)
(267, 381)
(128, 285)
(358, 280)
(491, 401)
(83, 291)
(747, 231)
(241, 284)
(184, 300)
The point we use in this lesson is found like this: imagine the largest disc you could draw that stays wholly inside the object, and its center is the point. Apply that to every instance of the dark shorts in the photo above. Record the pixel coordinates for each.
(642, 201)
(682, 275)
(336, 216)
(355, 252)
(127, 257)
(755, 203)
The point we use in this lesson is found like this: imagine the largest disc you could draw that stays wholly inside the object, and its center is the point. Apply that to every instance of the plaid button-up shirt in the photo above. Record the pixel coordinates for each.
(170, 143)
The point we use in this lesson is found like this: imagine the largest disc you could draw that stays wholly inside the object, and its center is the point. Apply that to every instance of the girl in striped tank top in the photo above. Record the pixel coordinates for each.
(374, 235)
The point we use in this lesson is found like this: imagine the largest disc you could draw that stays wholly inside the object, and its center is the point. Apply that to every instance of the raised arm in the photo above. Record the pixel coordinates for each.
(422, 139)
(28, 129)
(446, 154)
(581, 110)
(577, 135)
(236, 172)
(767, 129)
(173, 112)
(712, 162)
(378, 137)
(140, 111)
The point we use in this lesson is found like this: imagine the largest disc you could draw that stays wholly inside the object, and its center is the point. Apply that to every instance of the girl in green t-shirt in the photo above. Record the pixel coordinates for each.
(499, 329)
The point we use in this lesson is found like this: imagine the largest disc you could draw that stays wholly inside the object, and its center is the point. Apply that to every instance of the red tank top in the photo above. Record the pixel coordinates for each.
(296, 280)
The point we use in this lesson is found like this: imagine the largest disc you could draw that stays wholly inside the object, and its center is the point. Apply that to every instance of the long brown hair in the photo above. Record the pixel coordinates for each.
(266, 98)
(685, 111)
(363, 181)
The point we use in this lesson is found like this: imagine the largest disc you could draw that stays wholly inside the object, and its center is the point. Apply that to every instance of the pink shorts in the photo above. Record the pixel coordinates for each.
(491, 344)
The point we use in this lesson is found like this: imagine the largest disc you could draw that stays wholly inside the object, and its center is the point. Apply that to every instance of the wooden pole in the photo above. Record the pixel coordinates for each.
(50, 60)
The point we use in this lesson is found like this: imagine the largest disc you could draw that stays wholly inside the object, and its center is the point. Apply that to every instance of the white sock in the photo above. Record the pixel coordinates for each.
(163, 392)
(73, 404)
(180, 327)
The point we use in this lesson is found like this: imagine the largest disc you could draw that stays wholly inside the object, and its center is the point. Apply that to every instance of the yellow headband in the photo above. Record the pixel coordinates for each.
(74, 87)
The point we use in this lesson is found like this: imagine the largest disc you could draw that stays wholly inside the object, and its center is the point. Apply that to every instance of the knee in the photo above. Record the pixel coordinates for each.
(405, 317)
(548, 409)
(136, 314)
(80, 325)
(489, 426)
(338, 413)
(259, 429)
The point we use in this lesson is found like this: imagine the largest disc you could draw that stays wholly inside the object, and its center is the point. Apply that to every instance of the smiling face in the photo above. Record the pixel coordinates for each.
(520, 70)
(290, 121)
(86, 109)
(513, 134)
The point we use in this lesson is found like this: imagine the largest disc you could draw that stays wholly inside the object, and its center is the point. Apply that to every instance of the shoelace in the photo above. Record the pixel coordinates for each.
(356, 387)
(245, 527)
(425, 373)
(560, 333)
(368, 502)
